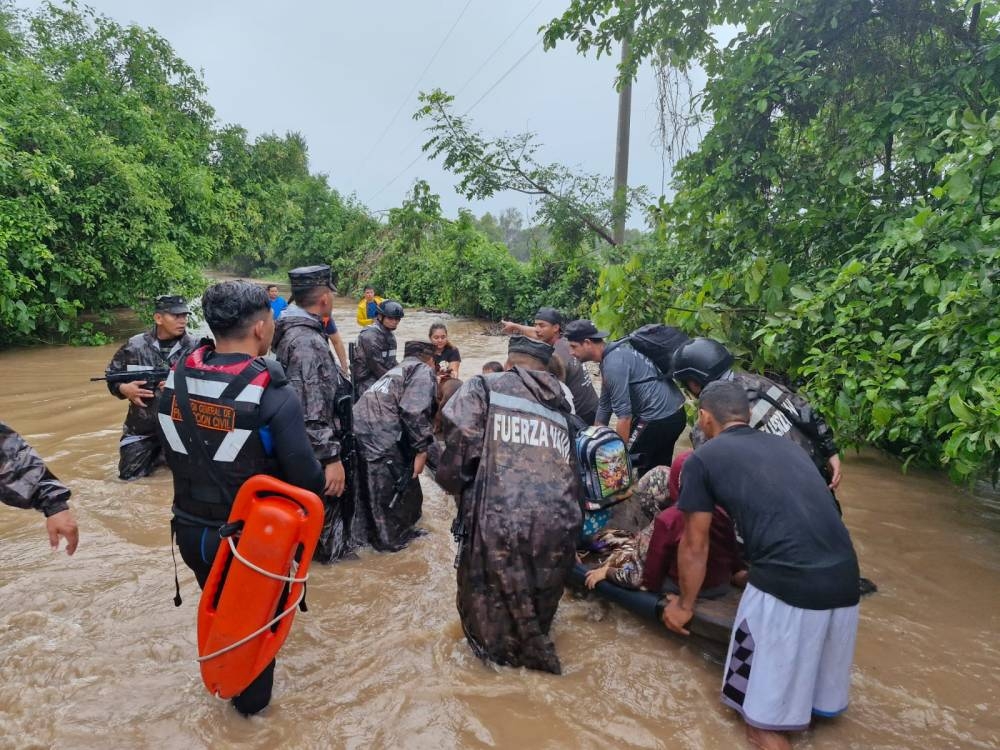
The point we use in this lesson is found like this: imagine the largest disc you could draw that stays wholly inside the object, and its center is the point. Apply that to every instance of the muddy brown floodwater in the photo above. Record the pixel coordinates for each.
(93, 654)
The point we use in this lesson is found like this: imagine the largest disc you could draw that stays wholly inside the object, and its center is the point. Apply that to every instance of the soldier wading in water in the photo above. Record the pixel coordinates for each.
(140, 451)
(302, 348)
(507, 457)
(394, 423)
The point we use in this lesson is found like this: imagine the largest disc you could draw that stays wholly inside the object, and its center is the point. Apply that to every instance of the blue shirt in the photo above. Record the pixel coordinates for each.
(631, 386)
(278, 305)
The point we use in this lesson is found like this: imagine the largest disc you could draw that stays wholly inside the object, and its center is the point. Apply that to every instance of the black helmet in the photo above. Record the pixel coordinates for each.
(391, 309)
(701, 360)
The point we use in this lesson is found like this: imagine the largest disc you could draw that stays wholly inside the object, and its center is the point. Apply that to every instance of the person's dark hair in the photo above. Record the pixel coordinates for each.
(269, 287)
(232, 307)
(369, 286)
(439, 326)
(493, 366)
(309, 297)
(726, 401)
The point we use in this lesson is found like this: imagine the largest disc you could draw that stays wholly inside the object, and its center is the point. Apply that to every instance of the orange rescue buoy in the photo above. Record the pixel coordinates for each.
(257, 581)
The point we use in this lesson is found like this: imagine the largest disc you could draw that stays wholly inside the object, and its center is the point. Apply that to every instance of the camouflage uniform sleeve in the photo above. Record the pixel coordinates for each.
(816, 427)
(360, 364)
(305, 377)
(376, 366)
(464, 425)
(415, 407)
(25, 481)
(119, 363)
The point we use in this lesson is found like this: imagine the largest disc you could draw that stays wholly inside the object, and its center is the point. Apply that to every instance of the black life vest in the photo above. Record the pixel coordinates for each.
(224, 401)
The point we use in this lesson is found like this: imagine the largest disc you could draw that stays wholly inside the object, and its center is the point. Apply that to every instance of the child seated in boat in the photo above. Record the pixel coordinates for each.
(647, 559)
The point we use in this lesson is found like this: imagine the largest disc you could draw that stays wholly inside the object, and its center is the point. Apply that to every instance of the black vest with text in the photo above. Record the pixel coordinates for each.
(223, 405)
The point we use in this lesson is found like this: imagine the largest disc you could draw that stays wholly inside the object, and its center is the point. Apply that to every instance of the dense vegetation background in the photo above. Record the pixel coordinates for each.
(838, 222)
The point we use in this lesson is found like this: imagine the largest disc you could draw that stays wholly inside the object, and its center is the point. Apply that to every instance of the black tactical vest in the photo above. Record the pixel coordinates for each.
(223, 406)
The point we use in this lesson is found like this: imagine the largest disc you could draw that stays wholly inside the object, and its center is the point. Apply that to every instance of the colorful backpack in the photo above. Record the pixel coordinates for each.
(604, 465)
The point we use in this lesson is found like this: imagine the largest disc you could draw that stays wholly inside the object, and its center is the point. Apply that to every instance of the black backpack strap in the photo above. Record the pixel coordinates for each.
(241, 381)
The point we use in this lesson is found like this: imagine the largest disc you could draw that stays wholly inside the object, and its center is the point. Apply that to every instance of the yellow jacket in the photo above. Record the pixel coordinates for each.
(363, 319)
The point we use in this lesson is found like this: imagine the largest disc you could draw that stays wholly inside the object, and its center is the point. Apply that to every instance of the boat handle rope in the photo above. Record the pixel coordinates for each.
(265, 627)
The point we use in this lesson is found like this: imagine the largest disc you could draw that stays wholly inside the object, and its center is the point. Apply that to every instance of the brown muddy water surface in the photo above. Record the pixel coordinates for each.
(93, 654)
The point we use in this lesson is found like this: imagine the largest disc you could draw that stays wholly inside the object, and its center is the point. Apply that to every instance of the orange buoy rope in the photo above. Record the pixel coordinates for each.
(263, 628)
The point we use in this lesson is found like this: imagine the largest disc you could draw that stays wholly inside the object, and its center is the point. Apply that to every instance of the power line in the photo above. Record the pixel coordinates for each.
(482, 65)
(496, 83)
(401, 172)
(409, 96)
(498, 48)
(509, 70)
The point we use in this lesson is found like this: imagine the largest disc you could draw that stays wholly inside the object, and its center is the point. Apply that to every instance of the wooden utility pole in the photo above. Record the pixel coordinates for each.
(621, 153)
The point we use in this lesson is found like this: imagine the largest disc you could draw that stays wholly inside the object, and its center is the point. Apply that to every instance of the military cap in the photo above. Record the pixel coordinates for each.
(419, 348)
(307, 277)
(532, 347)
(549, 315)
(171, 303)
(579, 330)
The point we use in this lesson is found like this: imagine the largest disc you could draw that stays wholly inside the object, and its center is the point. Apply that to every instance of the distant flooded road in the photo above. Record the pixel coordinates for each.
(93, 654)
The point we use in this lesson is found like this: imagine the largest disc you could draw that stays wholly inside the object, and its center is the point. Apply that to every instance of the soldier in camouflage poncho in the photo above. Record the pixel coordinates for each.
(393, 421)
(26, 482)
(507, 457)
(139, 451)
(773, 408)
(375, 351)
(301, 346)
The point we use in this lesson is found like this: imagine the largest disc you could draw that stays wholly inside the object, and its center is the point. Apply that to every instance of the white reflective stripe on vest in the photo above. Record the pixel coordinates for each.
(506, 401)
(199, 387)
(233, 443)
(170, 433)
(231, 446)
(759, 411)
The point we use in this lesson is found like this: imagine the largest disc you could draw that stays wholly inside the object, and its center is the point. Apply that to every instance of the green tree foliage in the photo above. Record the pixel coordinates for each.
(102, 194)
(116, 184)
(839, 221)
(420, 257)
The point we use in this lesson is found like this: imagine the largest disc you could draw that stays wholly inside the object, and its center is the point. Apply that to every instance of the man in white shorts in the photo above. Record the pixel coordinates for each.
(793, 638)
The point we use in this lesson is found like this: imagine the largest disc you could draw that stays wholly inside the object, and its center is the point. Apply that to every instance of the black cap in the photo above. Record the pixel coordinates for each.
(419, 348)
(532, 347)
(579, 330)
(307, 277)
(171, 303)
(549, 315)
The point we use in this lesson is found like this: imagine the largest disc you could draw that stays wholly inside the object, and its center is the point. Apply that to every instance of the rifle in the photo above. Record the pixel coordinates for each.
(344, 408)
(354, 378)
(151, 378)
(402, 482)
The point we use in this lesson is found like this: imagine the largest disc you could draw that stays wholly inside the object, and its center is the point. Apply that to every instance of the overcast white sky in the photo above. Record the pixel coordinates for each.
(337, 72)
